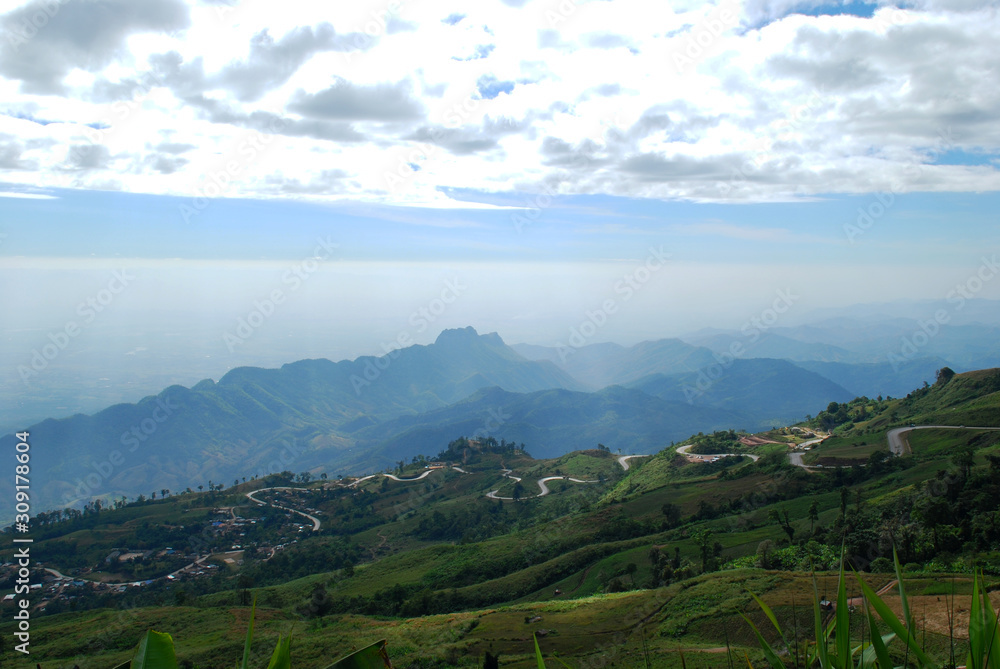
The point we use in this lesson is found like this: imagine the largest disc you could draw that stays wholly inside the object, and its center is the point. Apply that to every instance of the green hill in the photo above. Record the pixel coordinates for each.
(663, 552)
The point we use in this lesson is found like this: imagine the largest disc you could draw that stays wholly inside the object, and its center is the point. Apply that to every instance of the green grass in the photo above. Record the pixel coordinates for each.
(846, 450)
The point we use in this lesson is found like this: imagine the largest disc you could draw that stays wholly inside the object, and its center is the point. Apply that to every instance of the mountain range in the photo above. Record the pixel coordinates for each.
(363, 415)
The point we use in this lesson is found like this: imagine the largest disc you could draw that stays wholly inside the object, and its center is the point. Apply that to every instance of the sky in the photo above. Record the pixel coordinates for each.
(522, 166)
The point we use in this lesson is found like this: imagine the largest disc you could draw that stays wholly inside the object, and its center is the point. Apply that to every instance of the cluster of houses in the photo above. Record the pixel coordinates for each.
(49, 584)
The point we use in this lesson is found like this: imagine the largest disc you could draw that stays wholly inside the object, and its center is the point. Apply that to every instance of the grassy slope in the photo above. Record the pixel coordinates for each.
(696, 613)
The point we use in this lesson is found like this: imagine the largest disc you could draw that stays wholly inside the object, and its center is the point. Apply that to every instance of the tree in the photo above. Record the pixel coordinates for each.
(672, 513)
(764, 550)
(243, 584)
(630, 569)
(709, 551)
(964, 459)
(781, 517)
(813, 516)
(944, 376)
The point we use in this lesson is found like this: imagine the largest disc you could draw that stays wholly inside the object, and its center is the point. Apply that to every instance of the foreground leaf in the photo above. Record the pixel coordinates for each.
(246, 645)
(890, 619)
(282, 656)
(843, 622)
(154, 651)
(878, 642)
(769, 652)
(371, 657)
(538, 652)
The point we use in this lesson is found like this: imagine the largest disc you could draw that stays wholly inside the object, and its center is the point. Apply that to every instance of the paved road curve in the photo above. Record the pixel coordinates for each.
(623, 460)
(315, 521)
(686, 450)
(898, 445)
(492, 494)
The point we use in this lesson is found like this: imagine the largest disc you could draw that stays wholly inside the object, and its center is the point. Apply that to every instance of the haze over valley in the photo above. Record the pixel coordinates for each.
(504, 333)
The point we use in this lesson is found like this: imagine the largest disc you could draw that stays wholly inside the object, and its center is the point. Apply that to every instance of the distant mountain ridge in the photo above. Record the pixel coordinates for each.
(298, 416)
(604, 364)
(362, 415)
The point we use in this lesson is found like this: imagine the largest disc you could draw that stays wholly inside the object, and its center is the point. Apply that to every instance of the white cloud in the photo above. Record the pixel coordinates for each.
(27, 196)
(610, 97)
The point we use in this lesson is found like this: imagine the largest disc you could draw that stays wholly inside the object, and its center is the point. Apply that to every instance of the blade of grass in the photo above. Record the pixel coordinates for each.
(769, 653)
(843, 620)
(977, 636)
(907, 615)
(538, 652)
(992, 632)
(821, 653)
(560, 661)
(249, 639)
(878, 643)
(770, 616)
(282, 656)
(890, 619)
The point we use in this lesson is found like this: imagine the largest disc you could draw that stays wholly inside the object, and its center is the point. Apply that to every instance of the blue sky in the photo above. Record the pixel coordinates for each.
(925, 229)
(538, 151)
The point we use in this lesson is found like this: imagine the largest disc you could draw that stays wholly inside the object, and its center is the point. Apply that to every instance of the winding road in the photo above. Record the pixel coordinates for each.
(898, 445)
(623, 460)
(315, 521)
(507, 473)
(686, 450)
(492, 494)
(795, 457)
(415, 478)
